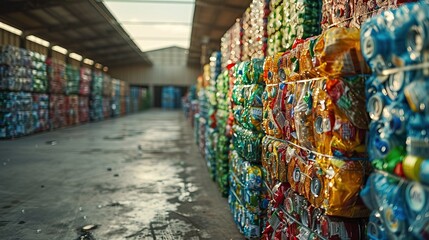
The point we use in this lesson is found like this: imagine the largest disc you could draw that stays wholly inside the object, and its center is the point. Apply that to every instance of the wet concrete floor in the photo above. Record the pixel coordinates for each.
(136, 177)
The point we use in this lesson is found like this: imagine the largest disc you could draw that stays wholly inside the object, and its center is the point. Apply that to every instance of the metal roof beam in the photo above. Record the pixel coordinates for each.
(106, 50)
(111, 19)
(221, 7)
(72, 43)
(109, 56)
(106, 47)
(12, 6)
(208, 27)
(129, 61)
(61, 27)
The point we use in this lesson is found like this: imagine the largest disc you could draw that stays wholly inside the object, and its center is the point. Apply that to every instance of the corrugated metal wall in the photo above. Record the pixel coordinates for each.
(157, 75)
(169, 68)
(8, 38)
(59, 56)
(35, 47)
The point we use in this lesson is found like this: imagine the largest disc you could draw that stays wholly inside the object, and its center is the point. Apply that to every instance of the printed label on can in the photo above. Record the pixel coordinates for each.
(288, 205)
(315, 186)
(304, 233)
(327, 125)
(338, 229)
(282, 74)
(304, 218)
(368, 46)
(257, 114)
(318, 124)
(296, 175)
(274, 220)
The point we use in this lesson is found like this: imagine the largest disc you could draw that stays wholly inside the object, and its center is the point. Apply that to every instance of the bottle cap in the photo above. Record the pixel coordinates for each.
(415, 40)
(377, 164)
(289, 205)
(382, 146)
(318, 124)
(375, 106)
(411, 167)
(395, 84)
(315, 186)
(368, 45)
(399, 170)
(395, 123)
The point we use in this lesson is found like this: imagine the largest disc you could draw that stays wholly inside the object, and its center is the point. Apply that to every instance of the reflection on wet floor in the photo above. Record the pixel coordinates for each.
(138, 177)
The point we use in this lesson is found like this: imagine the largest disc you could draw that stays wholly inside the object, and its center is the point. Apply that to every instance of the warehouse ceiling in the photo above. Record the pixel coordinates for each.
(85, 27)
(165, 23)
(88, 28)
(212, 18)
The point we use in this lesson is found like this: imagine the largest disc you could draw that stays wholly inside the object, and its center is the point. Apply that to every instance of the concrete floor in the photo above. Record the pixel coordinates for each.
(136, 177)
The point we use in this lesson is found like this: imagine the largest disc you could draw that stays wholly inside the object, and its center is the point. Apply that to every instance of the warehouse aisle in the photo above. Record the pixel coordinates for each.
(137, 177)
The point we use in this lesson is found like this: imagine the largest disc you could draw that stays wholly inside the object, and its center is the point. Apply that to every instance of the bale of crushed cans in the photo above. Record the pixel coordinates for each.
(16, 70)
(57, 76)
(40, 112)
(73, 79)
(85, 81)
(223, 116)
(231, 45)
(72, 109)
(57, 111)
(352, 13)
(16, 118)
(212, 72)
(395, 45)
(247, 191)
(254, 30)
(247, 195)
(291, 216)
(96, 108)
(316, 127)
(290, 20)
(83, 109)
(39, 72)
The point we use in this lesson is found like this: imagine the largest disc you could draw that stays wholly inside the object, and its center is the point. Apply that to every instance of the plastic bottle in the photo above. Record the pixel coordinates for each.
(375, 228)
(417, 207)
(417, 161)
(303, 115)
(375, 41)
(324, 118)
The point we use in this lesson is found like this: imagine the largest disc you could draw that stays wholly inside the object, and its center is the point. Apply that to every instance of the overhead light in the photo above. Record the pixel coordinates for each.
(10, 29)
(105, 69)
(88, 61)
(76, 56)
(99, 66)
(59, 49)
(38, 40)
